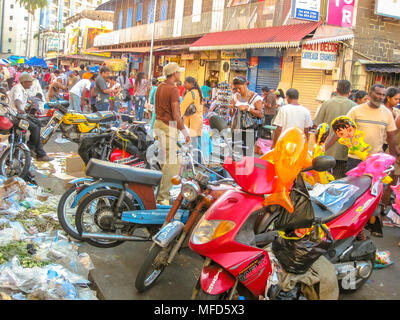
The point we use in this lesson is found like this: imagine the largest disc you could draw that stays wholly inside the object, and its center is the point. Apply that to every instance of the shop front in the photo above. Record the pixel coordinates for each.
(313, 70)
(367, 73)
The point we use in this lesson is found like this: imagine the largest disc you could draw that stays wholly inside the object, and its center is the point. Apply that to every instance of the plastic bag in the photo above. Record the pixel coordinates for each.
(383, 259)
(333, 195)
(297, 256)
(303, 214)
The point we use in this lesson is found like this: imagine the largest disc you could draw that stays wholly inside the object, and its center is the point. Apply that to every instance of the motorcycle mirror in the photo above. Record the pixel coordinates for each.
(323, 163)
(216, 122)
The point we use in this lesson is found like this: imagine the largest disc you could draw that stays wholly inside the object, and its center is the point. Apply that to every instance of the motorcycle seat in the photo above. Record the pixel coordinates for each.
(323, 213)
(101, 116)
(117, 172)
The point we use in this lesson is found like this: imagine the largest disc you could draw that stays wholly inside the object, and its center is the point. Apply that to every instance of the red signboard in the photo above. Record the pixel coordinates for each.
(341, 13)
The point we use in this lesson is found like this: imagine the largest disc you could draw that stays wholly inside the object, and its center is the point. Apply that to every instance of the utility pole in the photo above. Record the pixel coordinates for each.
(152, 39)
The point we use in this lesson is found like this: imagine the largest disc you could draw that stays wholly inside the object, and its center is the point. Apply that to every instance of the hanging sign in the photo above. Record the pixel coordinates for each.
(306, 9)
(319, 56)
(253, 62)
(341, 13)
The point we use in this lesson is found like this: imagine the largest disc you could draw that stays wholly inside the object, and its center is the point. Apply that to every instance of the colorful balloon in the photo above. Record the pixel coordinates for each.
(346, 129)
(289, 157)
(396, 190)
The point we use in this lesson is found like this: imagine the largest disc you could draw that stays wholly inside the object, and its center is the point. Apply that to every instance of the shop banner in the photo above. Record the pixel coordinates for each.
(341, 13)
(91, 34)
(319, 56)
(306, 9)
(388, 8)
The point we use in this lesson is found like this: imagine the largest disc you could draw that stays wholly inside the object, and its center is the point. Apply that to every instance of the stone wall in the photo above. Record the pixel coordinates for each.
(376, 37)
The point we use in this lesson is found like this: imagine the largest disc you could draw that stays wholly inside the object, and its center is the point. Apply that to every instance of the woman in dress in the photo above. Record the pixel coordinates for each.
(193, 122)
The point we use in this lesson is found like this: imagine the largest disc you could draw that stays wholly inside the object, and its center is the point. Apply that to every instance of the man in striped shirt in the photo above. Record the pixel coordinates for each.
(376, 121)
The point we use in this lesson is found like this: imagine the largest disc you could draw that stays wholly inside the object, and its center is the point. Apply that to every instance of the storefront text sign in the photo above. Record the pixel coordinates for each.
(306, 9)
(319, 56)
(341, 13)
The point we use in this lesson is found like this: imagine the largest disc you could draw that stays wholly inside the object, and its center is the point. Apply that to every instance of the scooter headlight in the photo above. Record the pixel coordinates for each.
(190, 191)
(23, 124)
(209, 230)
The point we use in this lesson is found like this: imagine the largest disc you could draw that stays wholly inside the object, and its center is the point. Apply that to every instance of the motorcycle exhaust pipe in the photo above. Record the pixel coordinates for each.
(116, 237)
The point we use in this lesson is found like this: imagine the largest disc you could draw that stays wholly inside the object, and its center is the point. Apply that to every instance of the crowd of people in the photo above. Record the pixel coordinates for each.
(172, 106)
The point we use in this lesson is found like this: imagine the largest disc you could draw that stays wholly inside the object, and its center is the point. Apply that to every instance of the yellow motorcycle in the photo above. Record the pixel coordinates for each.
(74, 125)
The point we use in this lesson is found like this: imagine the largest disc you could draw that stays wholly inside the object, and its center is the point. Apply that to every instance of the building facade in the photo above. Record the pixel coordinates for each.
(18, 30)
(218, 39)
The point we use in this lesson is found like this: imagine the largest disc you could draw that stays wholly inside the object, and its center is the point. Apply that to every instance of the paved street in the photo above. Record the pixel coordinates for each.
(116, 268)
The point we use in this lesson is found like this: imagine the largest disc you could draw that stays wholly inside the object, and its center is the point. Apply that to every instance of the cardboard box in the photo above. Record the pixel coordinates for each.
(75, 166)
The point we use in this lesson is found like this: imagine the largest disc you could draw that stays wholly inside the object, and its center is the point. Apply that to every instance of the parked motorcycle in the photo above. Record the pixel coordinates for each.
(131, 147)
(16, 158)
(198, 193)
(74, 125)
(108, 217)
(237, 260)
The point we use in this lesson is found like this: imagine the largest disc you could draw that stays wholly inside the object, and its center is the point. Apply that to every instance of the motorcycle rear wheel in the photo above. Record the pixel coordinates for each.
(101, 195)
(148, 273)
(4, 161)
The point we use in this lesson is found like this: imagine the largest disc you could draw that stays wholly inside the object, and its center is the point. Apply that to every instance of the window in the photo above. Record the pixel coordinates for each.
(196, 15)
(120, 18)
(150, 16)
(11, 17)
(26, 18)
(12, 6)
(164, 10)
(10, 28)
(9, 40)
(9, 50)
(129, 18)
(139, 12)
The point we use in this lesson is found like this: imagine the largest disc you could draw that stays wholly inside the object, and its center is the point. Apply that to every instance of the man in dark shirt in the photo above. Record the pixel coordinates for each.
(269, 109)
(168, 121)
(101, 90)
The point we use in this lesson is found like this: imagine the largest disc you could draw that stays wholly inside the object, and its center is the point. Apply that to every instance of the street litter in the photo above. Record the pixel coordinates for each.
(37, 262)
(383, 259)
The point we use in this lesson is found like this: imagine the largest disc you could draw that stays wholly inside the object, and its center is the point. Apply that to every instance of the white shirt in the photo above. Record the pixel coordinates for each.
(80, 86)
(18, 92)
(293, 116)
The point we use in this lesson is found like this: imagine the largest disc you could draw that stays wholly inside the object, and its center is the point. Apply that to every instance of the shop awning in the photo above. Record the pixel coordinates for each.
(124, 50)
(328, 33)
(271, 37)
(383, 69)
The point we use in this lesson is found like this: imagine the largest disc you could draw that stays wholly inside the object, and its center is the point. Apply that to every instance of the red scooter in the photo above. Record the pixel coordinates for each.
(237, 262)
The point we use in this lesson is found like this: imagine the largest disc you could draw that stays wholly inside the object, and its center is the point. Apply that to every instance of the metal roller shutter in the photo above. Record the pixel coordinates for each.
(308, 82)
(269, 73)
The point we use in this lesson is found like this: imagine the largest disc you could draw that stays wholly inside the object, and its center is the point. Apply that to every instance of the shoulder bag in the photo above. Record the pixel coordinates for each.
(191, 110)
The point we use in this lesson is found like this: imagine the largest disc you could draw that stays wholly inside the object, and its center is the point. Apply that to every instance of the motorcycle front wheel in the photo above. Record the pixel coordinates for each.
(66, 215)
(95, 213)
(18, 166)
(152, 268)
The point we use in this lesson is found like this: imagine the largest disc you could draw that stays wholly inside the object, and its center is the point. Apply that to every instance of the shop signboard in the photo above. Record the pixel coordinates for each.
(388, 8)
(253, 62)
(91, 34)
(227, 55)
(341, 13)
(319, 56)
(74, 41)
(239, 64)
(306, 9)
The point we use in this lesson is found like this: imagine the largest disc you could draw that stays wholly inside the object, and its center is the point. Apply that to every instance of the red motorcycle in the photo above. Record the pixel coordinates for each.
(237, 262)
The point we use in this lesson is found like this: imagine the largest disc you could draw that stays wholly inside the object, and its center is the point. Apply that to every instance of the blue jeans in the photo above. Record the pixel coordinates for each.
(102, 106)
(129, 103)
(75, 102)
(139, 107)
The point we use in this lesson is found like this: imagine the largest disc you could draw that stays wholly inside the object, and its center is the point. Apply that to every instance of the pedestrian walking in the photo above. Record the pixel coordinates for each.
(361, 97)
(247, 113)
(141, 86)
(101, 90)
(168, 122)
(192, 112)
(292, 115)
(126, 85)
(338, 106)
